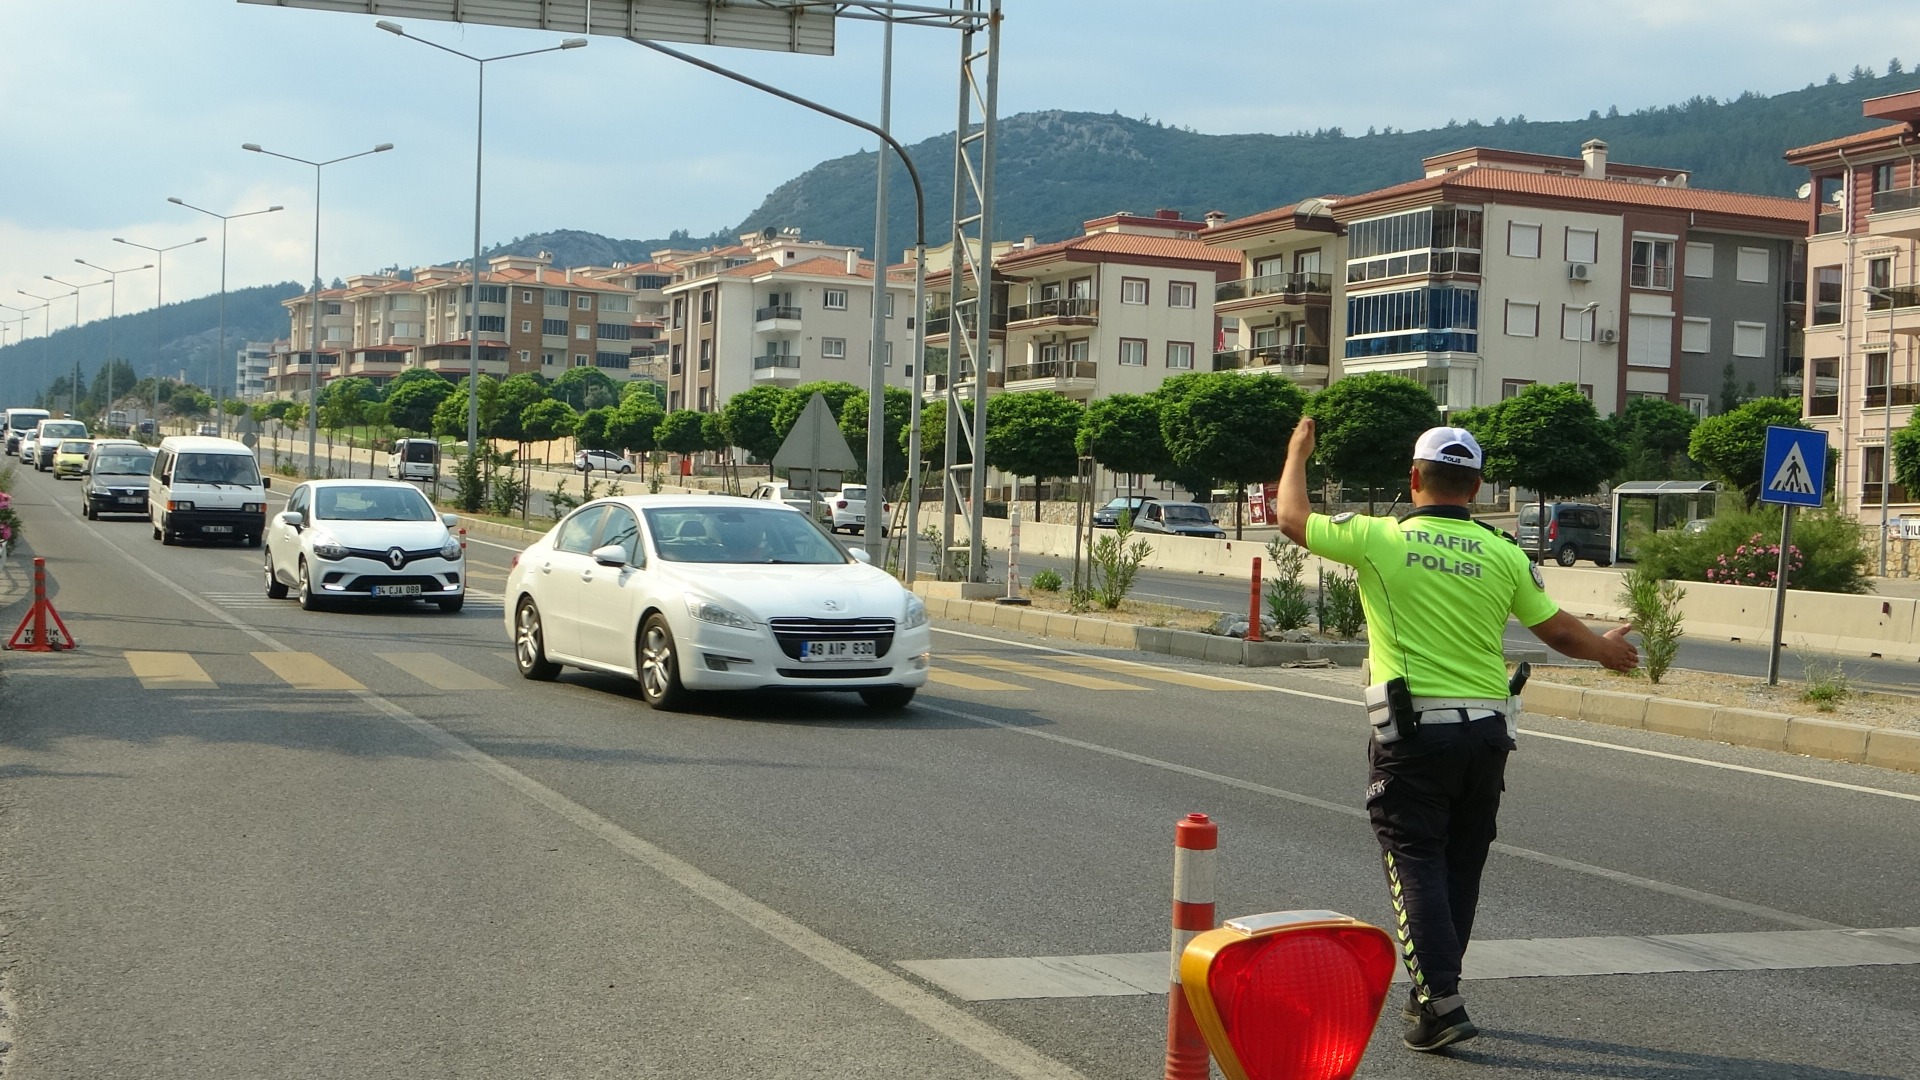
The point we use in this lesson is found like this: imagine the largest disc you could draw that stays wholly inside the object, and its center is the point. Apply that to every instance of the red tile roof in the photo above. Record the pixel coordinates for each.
(1117, 243)
(1579, 188)
(1892, 132)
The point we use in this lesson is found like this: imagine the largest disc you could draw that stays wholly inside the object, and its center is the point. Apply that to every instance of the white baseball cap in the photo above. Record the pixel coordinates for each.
(1451, 445)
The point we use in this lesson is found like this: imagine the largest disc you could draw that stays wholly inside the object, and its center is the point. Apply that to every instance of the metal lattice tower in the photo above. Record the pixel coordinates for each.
(970, 321)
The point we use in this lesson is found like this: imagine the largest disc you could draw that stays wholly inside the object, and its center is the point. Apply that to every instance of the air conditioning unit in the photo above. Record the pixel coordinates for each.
(1579, 272)
(1606, 335)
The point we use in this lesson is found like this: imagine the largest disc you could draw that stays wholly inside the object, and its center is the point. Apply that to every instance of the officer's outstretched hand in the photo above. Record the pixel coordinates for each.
(1300, 447)
(1617, 653)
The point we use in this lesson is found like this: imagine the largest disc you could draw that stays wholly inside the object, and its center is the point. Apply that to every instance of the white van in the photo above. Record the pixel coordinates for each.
(414, 459)
(19, 424)
(206, 489)
(47, 438)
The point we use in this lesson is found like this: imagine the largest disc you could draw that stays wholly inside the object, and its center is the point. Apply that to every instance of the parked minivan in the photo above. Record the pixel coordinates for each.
(207, 489)
(1574, 531)
(414, 459)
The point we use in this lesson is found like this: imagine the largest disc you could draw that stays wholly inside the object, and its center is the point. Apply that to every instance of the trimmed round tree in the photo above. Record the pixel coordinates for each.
(1366, 426)
(896, 405)
(1549, 438)
(1732, 444)
(1232, 427)
(682, 431)
(1122, 432)
(545, 421)
(748, 420)
(412, 398)
(788, 414)
(1033, 435)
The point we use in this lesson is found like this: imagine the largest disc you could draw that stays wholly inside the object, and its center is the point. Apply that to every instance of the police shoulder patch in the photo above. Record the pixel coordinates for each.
(1343, 518)
(1538, 581)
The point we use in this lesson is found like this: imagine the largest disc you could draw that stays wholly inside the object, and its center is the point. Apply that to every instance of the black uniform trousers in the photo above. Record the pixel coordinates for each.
(1432, 799)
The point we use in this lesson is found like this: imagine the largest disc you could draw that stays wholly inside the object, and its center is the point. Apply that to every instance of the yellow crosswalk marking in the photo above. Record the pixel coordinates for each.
(1034, 671)
(963, 681)
(439, 672)
(168, 671)
(1178, 678)
(305, 671)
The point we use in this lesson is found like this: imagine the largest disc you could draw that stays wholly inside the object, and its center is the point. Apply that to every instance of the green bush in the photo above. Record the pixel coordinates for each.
(1653, 605)
(1115, 564)
(1287, 593)
(1047, 581)
(1339, 608)
(1833, 557)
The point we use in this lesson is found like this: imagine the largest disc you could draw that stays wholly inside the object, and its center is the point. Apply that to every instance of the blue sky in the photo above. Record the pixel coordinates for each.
(109, 106)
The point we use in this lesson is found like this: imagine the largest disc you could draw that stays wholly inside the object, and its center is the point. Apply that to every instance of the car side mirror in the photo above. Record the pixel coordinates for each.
(451, 521)
(610, 555)
(293, 517)
(860, 555)
(266, 482)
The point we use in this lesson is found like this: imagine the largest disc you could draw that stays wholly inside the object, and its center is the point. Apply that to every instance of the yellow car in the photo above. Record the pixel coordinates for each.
(70, 458)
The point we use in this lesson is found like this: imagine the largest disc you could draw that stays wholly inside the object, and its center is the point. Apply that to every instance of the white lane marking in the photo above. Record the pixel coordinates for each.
(1725, 903)
(943, 1018)
(1002, 978)
(1528, 733)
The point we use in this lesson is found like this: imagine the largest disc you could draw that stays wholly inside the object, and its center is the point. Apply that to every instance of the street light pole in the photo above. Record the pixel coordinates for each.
(1580, 351)
(113, 305)
(159, 300)
(46, 323)
(219, 375)
(73, 394)
(313, 308)
(46, 335)
(479, 137)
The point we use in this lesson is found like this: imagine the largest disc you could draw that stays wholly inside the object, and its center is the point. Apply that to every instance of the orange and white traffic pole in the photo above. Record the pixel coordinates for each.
(1253, 609)
(1195, 839)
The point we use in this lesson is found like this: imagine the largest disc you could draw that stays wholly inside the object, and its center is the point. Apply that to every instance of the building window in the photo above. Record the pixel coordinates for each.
(1650, 341)
(1081, 288)
(489, 324)
(1879, 275)
(583, 332)
(1823, 394)
(1696, 335)
(1576, 324)
(1133, 352)
(548, 359)
(614, 303)
(679, 312)
(1872, 475)
(1699, 260)
(1523, 320)
(583, 302)
(1079, 350)
(1443, 318)
(332, 309)
(526, 296)
(1512, 387)
(526, 326)
(676, 358)
(886, 356)
(613, 332)
(1751, 265)
(1180, 355)
(1583, 245)
(1827, 300)
(555, 298)
(1883, 177)
(673, 400)
(833, 348)
(889, 305)
(1133, 290)
(1180, 294)
(1438, 240)
(1750, 339)
(579, 359)
(613, 360)
(833, 299)
(553, 327)
(1523, 240)
(706, 399)
(1652, 266)
(706, 305)
(706, 354)
(526, 355)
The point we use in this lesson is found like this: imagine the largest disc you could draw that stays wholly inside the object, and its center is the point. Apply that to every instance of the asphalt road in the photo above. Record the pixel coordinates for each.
(433, 869)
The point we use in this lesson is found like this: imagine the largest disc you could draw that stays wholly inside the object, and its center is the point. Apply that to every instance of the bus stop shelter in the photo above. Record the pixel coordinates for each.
(1644, 507)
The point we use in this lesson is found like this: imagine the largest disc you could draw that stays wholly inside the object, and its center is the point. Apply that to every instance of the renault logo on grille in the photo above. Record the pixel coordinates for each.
(396, 558)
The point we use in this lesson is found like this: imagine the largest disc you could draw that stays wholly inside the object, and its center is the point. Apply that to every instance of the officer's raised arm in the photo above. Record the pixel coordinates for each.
(1294, 506)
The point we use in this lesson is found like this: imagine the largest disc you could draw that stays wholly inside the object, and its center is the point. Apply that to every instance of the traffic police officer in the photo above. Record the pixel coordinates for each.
(1437, 588)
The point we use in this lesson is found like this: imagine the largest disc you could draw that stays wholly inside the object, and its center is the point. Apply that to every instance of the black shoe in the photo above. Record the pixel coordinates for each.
(1433, 1031)
(1410, 1012)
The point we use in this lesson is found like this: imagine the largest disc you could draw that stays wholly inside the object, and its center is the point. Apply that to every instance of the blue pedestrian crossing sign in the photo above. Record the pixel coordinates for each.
(1793, 469)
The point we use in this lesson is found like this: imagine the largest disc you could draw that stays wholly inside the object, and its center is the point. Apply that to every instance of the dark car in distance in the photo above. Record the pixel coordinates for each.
(1574, 531)
(1108, 516)
(1179, 519)
(117, 482)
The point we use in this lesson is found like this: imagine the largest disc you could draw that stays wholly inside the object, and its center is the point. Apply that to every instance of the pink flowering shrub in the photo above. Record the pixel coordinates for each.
(1755, 562)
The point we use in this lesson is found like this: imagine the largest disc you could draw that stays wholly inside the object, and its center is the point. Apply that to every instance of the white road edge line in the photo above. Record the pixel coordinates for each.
(1526, 733)
(1725, 903)
(931, 1010)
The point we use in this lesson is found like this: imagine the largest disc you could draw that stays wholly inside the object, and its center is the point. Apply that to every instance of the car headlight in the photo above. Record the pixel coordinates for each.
(916, 613)
(707, 611)
(326, 547)
(253, 508)
(450, 550)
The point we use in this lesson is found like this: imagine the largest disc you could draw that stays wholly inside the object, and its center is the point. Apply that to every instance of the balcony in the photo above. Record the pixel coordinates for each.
(1829, 221)
(1896, 199)
(1282, 356)
(1060, 376)
(1296, 288)
(1075, 310)
(937, 383)
(781, 317)
(939, 322)
(1827, 313)
(1897, 298)
(776, 368)
(1902, 394)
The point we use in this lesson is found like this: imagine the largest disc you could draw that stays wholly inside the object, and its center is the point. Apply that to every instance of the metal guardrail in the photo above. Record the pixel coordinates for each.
(1884, 202)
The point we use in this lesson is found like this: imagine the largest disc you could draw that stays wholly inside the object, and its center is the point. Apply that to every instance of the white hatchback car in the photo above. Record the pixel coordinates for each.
(712, 593)
(364, 540)
(849, 506)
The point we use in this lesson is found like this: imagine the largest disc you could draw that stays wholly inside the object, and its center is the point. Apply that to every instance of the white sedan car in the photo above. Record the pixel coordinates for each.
(712, 593)
(364, 540)
(29, 449)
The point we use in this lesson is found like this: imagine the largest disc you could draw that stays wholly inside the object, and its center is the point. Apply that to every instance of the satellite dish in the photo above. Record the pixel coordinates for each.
(1805, 190)
(1839, 196)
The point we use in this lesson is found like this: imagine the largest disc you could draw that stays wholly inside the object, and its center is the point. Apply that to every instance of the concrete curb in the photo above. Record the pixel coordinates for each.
(1811, 736)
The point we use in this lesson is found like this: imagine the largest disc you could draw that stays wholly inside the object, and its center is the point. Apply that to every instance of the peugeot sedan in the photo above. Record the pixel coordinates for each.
(684, 593)
(342, 540)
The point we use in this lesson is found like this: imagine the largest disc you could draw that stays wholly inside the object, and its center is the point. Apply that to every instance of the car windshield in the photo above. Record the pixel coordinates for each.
(370, 502)
(73, 446)
(236, 469)
(715, 534)
(852, 493)
(111, 464)
(26, 423)
(64, 431)
(1530, 515)
(1187, 513)
(1122, 503)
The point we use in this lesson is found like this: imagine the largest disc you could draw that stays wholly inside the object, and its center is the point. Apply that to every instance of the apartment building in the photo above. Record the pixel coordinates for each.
(1862, 370)
(778, 310)
(648, 281)
(1285, 310)
(294, 362)
(1499, 269)
(252, 364)
(1115, 310)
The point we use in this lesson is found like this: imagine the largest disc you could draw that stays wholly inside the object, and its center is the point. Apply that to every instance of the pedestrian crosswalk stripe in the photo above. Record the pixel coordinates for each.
(244, 600)
(439, 672)
(963, 681)
(1178, 678)
(1034, 671)
(168, 671)
(305, 671)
